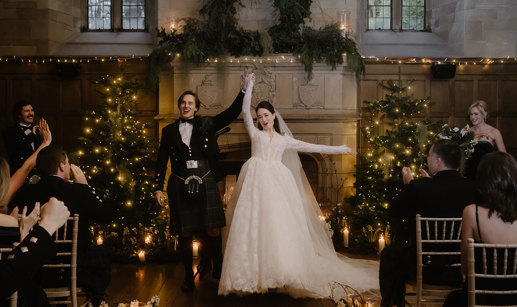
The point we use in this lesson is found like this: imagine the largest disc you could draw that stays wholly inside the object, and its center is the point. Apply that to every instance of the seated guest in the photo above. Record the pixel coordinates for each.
(53, 166)
(21, 140)
(441, 192)
(491, 221)
(18, 267)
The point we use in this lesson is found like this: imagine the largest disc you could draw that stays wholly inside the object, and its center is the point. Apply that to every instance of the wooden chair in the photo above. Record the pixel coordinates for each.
(66, 258)
(13, 299)
(497, 262)
(441, 238)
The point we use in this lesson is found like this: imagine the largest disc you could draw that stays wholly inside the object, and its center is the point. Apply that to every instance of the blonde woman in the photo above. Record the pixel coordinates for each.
(489, 138)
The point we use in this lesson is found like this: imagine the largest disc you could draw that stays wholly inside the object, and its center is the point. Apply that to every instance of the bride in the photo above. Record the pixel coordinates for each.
(275, 237)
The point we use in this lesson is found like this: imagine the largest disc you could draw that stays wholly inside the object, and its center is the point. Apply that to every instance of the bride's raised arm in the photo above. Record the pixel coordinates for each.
(246, 104)
(297, 145)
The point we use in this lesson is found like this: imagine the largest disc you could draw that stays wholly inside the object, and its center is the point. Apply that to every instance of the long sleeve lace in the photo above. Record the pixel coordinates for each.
(246, 108)
(308, 147)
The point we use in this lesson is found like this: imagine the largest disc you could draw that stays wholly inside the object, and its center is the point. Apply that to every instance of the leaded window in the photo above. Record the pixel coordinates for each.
(99, 14)
(379, 14)
(413, 14)
(133, 14)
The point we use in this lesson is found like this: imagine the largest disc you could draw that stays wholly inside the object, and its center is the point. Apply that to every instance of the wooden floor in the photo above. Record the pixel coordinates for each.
(141, 282)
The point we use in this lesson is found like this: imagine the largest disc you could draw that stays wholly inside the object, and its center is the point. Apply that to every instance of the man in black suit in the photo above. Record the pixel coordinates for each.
(443, 194)
(21, 140)
(195, 205)
(54, 168)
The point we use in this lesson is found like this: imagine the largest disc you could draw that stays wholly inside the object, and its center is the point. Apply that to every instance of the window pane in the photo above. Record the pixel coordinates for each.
(132, 12)
(378, 11)
(387, 23)
(98, 12)
(413, 14)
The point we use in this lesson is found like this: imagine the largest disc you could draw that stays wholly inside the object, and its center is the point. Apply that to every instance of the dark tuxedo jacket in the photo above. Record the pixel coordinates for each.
(443, 195)
(79, 198)
(203, 142)
(18, 145)
(19, 266)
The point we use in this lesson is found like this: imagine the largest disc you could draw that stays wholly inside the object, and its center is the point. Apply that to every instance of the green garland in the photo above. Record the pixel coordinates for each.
(218, 34)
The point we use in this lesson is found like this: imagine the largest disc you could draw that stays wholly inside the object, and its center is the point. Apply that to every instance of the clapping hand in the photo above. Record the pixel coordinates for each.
(407, 175)
(78, 174)
(44, 131)
(424, 173)
(54, 214)
(28, 221)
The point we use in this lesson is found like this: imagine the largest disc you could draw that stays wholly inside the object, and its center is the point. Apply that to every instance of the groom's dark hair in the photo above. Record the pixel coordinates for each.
(198, 102)
(268, 106)
(449, 152)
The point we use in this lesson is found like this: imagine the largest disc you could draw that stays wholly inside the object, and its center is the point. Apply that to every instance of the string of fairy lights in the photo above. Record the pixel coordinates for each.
(269, 59)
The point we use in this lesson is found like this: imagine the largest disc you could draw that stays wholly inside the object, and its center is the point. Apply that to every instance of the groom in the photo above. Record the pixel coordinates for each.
(195, 205)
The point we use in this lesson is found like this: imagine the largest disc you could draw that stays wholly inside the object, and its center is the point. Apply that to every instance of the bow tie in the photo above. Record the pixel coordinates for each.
(27, 129)
(190, 120)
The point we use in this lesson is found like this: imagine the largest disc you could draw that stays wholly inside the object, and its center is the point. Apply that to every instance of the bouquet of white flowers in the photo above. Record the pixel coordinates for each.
(463, 137)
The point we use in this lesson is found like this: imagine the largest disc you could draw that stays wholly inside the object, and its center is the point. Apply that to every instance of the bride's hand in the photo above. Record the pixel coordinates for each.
(249, 81)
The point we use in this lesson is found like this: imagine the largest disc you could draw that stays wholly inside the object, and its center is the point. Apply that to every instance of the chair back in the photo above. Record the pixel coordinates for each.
(436, 238)
(66, 259)
(492, 271)
(13, 299)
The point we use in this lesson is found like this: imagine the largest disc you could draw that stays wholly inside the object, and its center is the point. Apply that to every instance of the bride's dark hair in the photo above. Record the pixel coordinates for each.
(268, 106)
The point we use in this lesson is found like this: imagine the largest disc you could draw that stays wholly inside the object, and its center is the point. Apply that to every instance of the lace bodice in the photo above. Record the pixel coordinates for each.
(272, 148)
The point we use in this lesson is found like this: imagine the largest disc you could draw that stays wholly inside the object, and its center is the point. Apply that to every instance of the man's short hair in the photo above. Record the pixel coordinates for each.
(17, 108)
(48, 160)
(198, 102)
(449, 152)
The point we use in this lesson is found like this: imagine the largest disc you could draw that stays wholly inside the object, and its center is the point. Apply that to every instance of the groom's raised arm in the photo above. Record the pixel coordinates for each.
(226, 117)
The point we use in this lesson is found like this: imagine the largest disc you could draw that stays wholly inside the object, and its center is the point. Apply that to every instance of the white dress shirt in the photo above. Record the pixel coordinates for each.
(186, 132)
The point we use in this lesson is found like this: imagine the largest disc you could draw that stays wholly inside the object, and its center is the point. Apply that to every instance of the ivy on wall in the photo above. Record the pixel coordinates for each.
(217, 34)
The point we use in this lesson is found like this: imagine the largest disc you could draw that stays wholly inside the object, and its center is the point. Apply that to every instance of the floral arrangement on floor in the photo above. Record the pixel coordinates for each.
(348, 296)
(463, 137)
(154, 302)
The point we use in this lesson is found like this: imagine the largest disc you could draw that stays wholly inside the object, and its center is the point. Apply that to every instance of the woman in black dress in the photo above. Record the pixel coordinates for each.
(488, 138)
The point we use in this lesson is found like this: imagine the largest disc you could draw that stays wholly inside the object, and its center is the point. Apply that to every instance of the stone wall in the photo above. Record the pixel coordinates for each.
(37, 27)
(476, 28)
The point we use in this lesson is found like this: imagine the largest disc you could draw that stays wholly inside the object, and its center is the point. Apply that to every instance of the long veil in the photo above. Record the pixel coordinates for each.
(319, 233)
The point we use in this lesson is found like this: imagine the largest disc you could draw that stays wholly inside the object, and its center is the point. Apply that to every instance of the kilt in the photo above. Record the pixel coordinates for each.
(193, 215)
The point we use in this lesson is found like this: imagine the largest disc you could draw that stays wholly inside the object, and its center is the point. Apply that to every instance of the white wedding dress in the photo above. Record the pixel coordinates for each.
(275, 240)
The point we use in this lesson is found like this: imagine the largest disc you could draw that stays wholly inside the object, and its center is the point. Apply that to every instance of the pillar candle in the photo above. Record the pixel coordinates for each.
(100, 240)
(346, 232)
(195, 249)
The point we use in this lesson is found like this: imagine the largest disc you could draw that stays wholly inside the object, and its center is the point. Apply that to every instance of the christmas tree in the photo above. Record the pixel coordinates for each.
(117, 159)
(397, 135)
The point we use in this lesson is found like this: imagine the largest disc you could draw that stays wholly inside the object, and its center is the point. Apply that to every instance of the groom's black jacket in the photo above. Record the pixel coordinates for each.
(203, 143)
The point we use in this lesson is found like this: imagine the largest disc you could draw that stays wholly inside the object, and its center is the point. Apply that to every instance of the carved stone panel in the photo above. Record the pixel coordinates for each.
(311, 94)
(208, 93)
